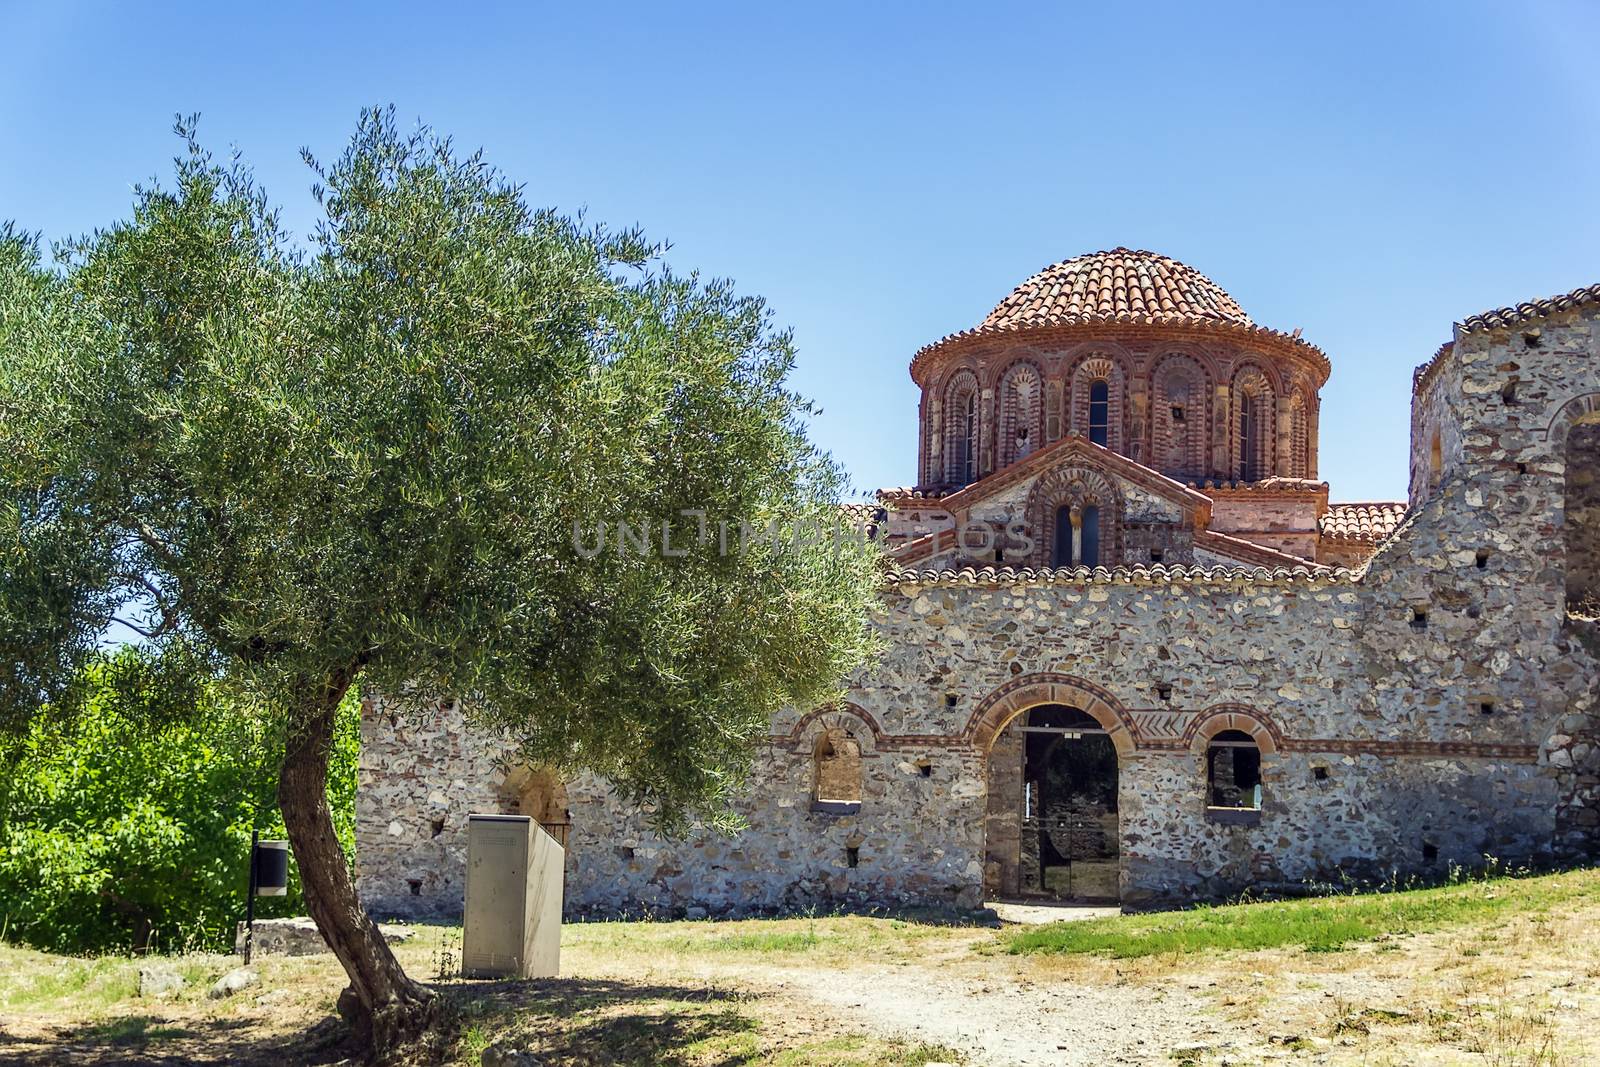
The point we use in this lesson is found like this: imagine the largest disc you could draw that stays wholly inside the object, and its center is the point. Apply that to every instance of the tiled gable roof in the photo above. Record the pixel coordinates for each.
(1159, 574)
(1532, 309)
(1120, 284)
(1367, 523)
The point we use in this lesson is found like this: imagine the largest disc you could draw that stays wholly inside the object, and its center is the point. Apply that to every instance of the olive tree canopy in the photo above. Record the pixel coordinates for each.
(381, 457)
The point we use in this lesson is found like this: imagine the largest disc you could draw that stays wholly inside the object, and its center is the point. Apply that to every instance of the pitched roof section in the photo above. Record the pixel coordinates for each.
(1364, 523)
(1532, 309)
(1120, 284)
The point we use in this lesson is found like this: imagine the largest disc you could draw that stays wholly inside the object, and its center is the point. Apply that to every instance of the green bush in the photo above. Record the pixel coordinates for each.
(114, 836)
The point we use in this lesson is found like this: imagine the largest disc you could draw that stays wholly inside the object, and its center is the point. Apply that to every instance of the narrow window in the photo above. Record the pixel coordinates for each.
(1061, 550)
(966, 444)
(1100, 413)
(1233, 771)
(1091, 536)
(1247, 440)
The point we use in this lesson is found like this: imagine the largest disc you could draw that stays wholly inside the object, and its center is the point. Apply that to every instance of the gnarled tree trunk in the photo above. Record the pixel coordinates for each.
(383, 1006)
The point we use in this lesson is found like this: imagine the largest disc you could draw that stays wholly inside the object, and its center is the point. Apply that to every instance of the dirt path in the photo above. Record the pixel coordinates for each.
(1001, 1021)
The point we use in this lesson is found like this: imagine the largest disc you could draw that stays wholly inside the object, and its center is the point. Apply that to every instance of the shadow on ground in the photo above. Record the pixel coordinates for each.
(566, 1021)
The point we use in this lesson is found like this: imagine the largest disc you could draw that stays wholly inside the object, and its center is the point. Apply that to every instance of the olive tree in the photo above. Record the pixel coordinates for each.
(380, 457)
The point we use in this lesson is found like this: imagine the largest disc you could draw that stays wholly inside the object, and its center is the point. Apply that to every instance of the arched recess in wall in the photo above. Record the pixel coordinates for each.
(1098, 394)
(835, 743)
(1231, 743)
(1179, 424)
(1252, 428)
(1299, 437)
(540, 794)
(1069, 497)
(1021, 400)
(996, 709)
(1576, 435)
(960, 417)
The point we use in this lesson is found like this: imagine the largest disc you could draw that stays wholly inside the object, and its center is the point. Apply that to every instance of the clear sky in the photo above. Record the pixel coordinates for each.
(885, 174)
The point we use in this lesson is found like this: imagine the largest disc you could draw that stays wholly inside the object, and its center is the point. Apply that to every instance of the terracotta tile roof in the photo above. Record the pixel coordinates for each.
(1277, 484)
(911, 493)
(1532, 309)
(1120, 284)
(862, 513)
(1160, 574)
(1366, 523)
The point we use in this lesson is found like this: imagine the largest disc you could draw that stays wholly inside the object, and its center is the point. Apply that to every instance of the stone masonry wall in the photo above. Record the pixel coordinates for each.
(1432, 708)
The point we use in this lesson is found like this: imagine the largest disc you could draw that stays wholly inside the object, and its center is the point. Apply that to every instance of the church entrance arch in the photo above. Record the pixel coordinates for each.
(1052, 828)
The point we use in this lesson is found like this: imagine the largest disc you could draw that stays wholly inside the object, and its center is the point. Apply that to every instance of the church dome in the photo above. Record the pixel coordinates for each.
(1122, 284)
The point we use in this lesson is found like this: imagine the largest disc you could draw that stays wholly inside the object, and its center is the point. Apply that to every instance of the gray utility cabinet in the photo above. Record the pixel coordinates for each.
(512, 927)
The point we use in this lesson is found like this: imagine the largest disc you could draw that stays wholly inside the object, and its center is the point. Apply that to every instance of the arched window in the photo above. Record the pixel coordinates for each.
(1253, 438)
(1021, 412)
(837, 785)
(1580, 519)
(1179, 420)
(1233, 771)
(1435, 461)
(1100, 412)
(1061, 550)
(1247, 441)
(1090, 556)
(961, 430)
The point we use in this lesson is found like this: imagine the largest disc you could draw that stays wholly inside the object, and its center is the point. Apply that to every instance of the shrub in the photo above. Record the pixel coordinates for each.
(115, 836)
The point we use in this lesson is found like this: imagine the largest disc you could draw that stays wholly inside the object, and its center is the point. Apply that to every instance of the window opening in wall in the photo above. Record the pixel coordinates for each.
(1486, 707)
(1435, 461)
(1419, 619)
(1061, 549)
(1247, 440)
(1320, 773)
(924, 768)
(415, 885)
(1177, 413)
(1483, 559)
(1091, 536)
(1233, 771)
(837, 783)
(1100, 413)
(950, 699)
(1163, 692)
(437, 827)
(1508, 395)
(1430, 851)
(1157, 555)
(1531, 340)
(852, 856)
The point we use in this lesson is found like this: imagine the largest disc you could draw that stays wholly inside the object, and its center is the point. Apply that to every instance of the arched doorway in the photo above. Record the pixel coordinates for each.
(1581, 518)
(1052, 828)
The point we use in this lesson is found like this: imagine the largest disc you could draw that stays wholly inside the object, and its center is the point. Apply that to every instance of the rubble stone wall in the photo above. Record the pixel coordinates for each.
(1434, 707)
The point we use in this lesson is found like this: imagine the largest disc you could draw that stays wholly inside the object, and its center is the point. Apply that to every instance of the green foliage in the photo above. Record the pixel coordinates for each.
(116, 834)
(1323, 924)
(363, 461)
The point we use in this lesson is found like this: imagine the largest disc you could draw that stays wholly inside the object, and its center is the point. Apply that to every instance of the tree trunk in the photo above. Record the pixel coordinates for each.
(383, 1006)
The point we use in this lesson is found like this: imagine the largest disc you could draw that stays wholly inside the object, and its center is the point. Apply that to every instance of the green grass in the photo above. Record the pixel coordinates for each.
(1325, 924)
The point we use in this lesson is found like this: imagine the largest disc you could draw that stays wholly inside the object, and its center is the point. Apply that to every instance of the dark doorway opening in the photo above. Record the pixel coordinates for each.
(1053, 826)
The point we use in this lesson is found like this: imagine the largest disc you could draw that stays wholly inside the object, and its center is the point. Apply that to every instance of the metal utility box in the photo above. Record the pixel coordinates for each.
(512, 927)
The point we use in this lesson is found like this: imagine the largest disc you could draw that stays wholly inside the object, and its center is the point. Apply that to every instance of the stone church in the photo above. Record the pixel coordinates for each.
(1134, 653)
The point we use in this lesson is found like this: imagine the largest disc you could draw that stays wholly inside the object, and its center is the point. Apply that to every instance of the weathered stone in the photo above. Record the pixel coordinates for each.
(236, 980)
(158, 982)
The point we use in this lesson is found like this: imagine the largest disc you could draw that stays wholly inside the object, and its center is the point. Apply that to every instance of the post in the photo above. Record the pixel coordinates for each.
(250, 900)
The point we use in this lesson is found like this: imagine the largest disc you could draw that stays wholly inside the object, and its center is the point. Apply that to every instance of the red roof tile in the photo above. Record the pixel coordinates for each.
(1367, 523)
(1120, 284)
(1533, 309)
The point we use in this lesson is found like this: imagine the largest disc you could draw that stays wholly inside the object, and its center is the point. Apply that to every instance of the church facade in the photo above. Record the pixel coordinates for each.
(1133, 651)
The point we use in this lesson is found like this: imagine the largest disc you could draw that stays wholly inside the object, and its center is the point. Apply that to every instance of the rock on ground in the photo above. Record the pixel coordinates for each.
(233, 982)
(160, 981)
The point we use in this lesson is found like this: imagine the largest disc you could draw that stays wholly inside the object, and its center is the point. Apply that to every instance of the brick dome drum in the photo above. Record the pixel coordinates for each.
(1122, 284)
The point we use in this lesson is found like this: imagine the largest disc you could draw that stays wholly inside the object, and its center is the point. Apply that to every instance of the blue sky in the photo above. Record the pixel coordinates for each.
(885, 174)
